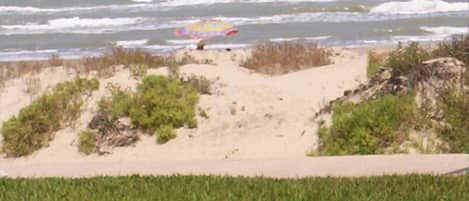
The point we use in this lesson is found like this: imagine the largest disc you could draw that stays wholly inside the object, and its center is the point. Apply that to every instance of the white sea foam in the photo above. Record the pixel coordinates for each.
(70, 25)
(26, 55)
(16, 9)
(131, 43)
(420, 38)
(308, 17)
(37, 10)
(442, 30)
(209, 2)
(183, 42)
(139, 4)
(313, 38)
(142, 1)
(284, 39)
(317, 38)
(419, 6)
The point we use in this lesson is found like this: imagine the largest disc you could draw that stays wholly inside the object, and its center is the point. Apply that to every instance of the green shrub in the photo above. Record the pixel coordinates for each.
(456, 114)
(375, 60)
(87, 142)
(367, 128)
(404, 59)
(164, 134)
(159, 105)
(161, 101)
(33, 128)
(118, 104)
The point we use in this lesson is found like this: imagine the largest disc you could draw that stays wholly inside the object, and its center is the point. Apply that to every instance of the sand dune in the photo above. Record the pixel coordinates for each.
(251, 115)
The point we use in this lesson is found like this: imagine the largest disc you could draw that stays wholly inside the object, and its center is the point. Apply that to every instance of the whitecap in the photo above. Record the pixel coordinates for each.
(283, 39)
(419, 6)
(131, 43)
(183, 42)
(448, 30)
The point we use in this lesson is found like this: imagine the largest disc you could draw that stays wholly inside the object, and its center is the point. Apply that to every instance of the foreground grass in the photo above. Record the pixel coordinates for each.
(409, 188)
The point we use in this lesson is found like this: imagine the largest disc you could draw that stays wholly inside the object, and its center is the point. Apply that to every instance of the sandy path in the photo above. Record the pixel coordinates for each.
(279, 168)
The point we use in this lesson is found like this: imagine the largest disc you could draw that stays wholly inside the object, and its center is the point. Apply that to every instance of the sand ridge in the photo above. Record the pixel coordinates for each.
(251, 115)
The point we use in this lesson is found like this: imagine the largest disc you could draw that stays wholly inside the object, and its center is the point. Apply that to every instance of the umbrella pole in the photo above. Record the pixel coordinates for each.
(201, 44)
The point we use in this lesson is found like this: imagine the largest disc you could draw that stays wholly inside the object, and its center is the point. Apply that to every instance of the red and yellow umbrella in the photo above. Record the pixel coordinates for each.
(206, 29)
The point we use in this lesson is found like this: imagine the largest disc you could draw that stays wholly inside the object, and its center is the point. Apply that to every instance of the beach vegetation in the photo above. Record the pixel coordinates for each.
(118, 104)
(130, 188)
(375, 61)
(164, 134)
(138, 71)
(405, 58)
(36, 123)
(200, 83)
(286, 57)
(55, 60)
(160, 103)
(369, 127)
(33, 86)
(456, 114)
(87, 142)
(203, 113)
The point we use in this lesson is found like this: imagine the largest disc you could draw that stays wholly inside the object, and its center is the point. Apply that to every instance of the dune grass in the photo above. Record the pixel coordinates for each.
(405, 188)
(36, 123)
(375, 60)
(286, 57)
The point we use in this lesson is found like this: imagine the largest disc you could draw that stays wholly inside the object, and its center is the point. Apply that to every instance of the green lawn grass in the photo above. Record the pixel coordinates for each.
(408, 188)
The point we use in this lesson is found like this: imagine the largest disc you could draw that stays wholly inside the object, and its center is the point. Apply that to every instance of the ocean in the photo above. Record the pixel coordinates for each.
(35, 29)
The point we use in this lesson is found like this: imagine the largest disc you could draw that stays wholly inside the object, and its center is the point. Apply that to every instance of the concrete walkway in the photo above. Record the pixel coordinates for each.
(352, 166)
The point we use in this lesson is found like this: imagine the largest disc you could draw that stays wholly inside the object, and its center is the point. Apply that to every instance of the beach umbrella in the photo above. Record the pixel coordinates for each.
(206, 29)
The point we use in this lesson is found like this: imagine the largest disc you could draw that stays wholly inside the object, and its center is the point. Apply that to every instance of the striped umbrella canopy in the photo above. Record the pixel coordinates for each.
(206, 29)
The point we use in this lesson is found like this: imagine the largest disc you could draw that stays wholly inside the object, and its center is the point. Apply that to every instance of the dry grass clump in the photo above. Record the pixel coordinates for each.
(105, 65)
(280, 58)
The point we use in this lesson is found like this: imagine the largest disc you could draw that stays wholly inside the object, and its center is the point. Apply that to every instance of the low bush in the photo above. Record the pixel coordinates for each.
(403, 59)
(118, 104)
(280, 58)
(164, 134)
(159, 105)
(87, 142)
(458, 48)
(35, 124)
(161, 101)
(367, 128)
